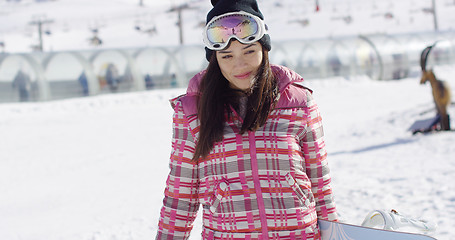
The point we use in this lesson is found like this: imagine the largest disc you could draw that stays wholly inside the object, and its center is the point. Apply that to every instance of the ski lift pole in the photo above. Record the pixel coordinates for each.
(180, 24)
(179, 10)
(435, 18)
(39, 23)
(317, 5)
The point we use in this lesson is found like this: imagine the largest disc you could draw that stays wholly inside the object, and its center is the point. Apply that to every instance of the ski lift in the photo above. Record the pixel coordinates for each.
(145, 25)
(304, 22)
(388, 15)
(95, 41)
(427, 10)
(151, 31)
(48, 32)
(347, 19)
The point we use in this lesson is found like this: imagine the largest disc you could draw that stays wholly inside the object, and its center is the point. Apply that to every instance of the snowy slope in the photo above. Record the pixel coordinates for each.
(94, 168)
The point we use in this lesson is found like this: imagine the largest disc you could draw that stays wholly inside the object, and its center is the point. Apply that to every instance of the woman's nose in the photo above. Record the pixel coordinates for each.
(240, 61)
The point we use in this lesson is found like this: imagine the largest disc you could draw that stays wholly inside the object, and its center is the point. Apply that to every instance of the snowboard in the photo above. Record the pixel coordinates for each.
(426, 125)
(342, 231)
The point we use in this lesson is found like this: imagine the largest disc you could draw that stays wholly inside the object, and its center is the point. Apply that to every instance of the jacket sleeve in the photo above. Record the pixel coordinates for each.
(181, 203)
(316, 165)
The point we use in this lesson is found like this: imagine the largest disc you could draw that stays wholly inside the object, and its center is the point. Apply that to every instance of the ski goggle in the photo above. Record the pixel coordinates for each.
(244, 27)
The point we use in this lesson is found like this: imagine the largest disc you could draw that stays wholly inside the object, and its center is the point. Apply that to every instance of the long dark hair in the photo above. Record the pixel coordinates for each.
(216, 99)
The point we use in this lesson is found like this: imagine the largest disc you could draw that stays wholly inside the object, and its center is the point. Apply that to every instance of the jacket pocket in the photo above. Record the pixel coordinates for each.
(305, 195)
(218, 195)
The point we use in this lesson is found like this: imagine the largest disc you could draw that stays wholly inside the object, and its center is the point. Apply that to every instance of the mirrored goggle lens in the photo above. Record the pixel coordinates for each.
(221, 30)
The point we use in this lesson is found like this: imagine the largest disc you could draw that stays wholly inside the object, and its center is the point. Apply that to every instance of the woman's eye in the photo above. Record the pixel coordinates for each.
(250, 51)
(226, 56)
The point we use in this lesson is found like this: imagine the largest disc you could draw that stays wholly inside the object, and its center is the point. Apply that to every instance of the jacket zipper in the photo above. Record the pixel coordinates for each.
(257, 184)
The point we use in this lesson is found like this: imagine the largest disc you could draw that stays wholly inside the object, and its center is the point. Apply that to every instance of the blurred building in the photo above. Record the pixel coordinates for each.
(57, 75)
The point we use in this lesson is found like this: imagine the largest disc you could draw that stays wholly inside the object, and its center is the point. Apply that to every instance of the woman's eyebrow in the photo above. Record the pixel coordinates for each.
(225, 51)
(249, 46)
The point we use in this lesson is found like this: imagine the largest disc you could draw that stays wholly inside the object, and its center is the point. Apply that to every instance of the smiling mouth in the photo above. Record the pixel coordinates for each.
(243, 76)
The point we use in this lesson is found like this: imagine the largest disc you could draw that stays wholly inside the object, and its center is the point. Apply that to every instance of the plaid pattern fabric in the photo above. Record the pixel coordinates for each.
(269, 184)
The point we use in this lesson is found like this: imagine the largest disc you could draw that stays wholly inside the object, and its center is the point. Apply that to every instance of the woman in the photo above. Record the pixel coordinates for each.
(247, 142)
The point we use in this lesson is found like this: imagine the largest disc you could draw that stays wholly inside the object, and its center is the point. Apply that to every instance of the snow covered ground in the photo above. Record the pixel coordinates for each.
(94, 168)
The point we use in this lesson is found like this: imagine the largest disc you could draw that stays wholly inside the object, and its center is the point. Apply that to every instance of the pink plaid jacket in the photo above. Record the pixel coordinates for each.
(269, 184)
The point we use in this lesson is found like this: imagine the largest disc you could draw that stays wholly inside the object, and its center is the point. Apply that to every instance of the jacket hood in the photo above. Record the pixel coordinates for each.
(284, 76)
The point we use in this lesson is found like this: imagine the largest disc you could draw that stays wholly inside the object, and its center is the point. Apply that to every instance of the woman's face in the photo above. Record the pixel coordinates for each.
(239, 63)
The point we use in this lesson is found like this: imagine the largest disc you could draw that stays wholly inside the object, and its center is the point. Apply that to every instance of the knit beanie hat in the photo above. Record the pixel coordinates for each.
(221, 7)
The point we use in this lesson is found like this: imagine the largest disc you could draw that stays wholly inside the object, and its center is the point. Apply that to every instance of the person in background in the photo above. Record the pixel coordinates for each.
(82, 79)
(112, 77)
(23, 83)
(247, 141)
